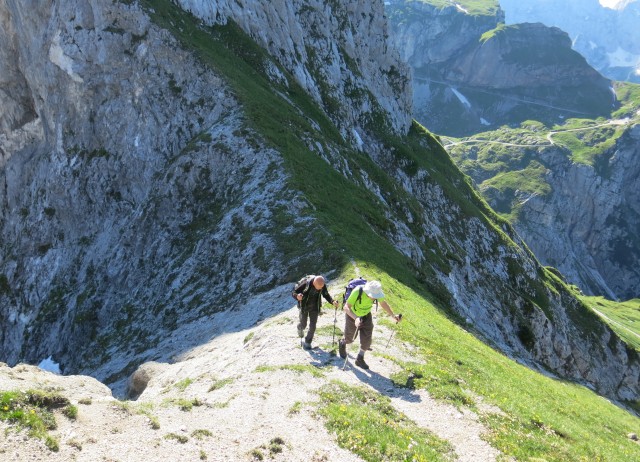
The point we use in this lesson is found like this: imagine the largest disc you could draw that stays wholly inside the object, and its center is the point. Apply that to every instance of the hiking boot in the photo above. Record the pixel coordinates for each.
(342, 348)
(300, 332)
(305, 345)
(360, 363)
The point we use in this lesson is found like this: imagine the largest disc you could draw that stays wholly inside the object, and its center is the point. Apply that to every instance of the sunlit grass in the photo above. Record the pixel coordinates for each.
(622, 317)
(367, 424)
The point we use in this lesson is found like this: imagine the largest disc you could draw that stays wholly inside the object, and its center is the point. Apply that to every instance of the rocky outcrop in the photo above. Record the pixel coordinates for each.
(474, 73)
(133, 196)
(604, 32)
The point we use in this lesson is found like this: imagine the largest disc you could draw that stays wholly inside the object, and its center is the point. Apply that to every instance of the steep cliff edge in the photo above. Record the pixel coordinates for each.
(474, 72)
(176, 167)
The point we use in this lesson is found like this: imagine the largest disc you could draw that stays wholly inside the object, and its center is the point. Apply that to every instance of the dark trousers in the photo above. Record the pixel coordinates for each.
(365, 331)
(313, 320)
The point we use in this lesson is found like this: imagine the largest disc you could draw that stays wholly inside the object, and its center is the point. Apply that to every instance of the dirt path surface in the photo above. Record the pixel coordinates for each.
(232, 398)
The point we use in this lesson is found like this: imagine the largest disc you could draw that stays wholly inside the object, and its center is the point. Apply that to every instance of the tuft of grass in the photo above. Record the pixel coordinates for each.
(295, 408)
(368, 425)
(186, 404)
(201, 434)
(32, 411)
(217, 384)
(70, 411)
(179, 438)
(299, 368)
(183, 384)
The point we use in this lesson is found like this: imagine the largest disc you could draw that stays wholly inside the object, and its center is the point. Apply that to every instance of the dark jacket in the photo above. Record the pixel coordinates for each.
(311, 298)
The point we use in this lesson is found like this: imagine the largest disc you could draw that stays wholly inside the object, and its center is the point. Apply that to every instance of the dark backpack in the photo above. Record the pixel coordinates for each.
(308, 279)
(352, 284)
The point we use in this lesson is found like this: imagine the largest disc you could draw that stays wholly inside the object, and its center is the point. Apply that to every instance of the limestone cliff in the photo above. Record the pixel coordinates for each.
(589, 227)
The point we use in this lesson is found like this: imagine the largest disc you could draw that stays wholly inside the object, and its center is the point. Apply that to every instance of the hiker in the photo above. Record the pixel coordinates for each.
(308, 293)
(359, 319)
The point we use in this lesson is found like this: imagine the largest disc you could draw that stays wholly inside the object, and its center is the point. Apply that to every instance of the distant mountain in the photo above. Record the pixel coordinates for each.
(472, 73)
(605, 32)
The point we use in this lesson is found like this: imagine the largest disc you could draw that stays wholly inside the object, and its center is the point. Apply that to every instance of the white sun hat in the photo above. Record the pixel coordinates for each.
(373, 289)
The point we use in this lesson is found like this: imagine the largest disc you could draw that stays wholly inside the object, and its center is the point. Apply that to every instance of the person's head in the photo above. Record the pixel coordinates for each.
(373, 289)
(318, 282)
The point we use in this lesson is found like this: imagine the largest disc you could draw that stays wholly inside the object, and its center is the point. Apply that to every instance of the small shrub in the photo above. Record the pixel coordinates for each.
(51, 443)
(71, 412)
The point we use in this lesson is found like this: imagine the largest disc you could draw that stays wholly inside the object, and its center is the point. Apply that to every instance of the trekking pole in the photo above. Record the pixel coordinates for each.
(399, 318)
(333, 338)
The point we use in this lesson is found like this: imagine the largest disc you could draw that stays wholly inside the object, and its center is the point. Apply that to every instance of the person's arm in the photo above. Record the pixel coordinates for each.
(297, 291)
(389, 311)
(349, 312)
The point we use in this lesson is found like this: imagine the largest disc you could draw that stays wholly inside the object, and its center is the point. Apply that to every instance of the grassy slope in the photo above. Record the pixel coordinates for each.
(542, 417)
(511, 168)
(623, 317)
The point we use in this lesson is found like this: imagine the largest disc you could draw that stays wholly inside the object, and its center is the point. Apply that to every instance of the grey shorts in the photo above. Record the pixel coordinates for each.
(365, 332)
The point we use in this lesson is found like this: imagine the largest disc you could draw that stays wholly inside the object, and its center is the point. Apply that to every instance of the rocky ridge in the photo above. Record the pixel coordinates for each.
(247, 398)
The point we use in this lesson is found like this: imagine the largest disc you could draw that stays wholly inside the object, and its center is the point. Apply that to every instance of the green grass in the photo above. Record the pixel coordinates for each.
(368, 425)
(32, 411)
(218, 384)
(588, 145)
(299, 368)
(629, 96)
(623, 317)
(541, 417)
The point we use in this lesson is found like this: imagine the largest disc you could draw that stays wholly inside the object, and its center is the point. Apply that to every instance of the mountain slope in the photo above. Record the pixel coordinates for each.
(604, 32)
(235, 181)
(253, 392)
(569, 190)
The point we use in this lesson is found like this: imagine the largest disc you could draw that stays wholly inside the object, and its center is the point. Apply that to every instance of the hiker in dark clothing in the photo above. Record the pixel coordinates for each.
(309, 292)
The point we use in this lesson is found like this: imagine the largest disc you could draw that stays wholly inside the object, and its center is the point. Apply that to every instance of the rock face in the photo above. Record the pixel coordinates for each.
(472, 74)
(134, 197)
(589, 227)
(350, 38)
(606, 33)
(139, 196)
